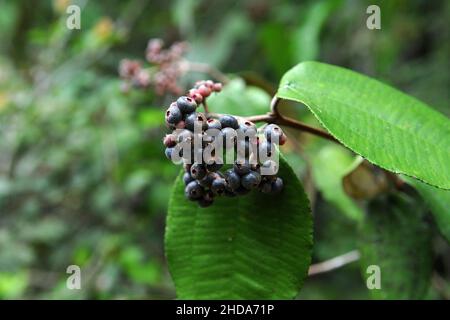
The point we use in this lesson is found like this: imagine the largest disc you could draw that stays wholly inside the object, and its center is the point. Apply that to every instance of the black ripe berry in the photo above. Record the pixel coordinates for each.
(273, 133)
(193, 191)
(228, 121)
(218, 186)
(187, 178)
(277, 185)
(265, 186)
(173, 115)
(208, 179)
(214, 124)
(248, 127)
(206, 200)
(241, 167)
(168, 152)
(233, 179)
(251, 180)
(198, 171)
(186, 104)
(196, 118)
(213, 164)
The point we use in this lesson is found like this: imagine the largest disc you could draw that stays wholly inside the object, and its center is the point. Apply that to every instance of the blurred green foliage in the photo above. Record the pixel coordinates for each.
(83, 178)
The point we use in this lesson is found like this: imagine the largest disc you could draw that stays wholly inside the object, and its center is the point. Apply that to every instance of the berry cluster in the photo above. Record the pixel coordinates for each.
(167, 68)
(203, 177)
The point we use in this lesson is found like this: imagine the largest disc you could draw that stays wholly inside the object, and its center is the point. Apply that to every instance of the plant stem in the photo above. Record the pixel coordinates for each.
(334, 263)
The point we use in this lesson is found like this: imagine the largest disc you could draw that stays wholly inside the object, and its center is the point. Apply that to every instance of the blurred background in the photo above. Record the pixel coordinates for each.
(83, 177)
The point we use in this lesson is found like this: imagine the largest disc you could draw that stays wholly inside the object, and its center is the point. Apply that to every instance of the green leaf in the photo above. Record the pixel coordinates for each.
(387, 127)
(395, 237)
(329, 166)
(438, 201)
(256, 246)
(238, 99)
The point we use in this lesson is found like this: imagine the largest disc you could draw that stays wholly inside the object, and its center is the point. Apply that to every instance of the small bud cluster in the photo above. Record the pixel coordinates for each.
(203, 176)
(166, 69)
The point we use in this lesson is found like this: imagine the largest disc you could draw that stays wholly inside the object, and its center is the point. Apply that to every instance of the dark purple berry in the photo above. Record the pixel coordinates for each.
(198, 171)
(168, 152)
(241, 167)
(218, 186)
(186, 104)
(173, 115)
(277, 185)
(248, 127)
(233, 179)
(187, 178)
(251, 180)
(241, 191)
(214, 124)
(193, 191)
(228, 121)
(208, 179)
(266, 187)
(196, 117)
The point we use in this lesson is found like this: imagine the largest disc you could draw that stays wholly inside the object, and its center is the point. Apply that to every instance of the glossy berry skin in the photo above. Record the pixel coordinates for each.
(187, 178)
(173, 115)
(273, 133)
(168, 152)
(208, 179)
(233, 179)
(241, 191)
(277, 185)
(218, 186)
(193, 191)
(241, 167)
(191, 118)
(266, 187)
(228, 121)
(214, 124)
(198, 171)
(186, 104)
(248, 127)
(205, 202)
(251, 180)
(170, 140)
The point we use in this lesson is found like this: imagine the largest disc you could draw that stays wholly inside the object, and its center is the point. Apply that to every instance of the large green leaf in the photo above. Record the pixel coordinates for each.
(256, 246)
(387, 127)
(438, 201)
(395, 237)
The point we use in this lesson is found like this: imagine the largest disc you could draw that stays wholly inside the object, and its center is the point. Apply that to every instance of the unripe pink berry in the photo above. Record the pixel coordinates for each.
(204, 90)
(217, 87)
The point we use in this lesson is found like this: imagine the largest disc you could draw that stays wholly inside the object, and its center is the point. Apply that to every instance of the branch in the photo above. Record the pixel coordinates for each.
(334, 263)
